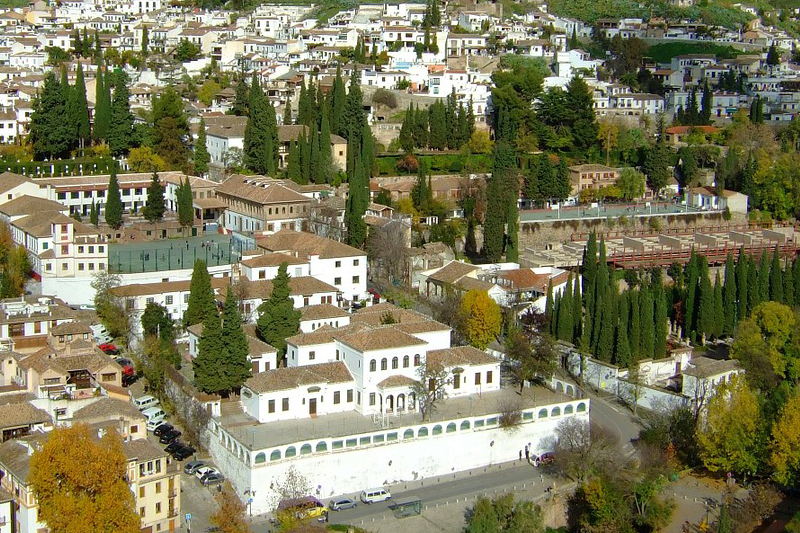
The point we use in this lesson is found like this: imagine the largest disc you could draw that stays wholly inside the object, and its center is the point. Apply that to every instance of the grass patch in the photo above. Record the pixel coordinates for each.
(11, 4)
(663, 53)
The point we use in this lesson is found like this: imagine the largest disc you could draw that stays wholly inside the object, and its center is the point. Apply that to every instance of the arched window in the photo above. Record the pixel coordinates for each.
(581, 407)
(384, 364)
(543, 413)
(322, 446)
(405, 361)
(372, 366)
(409, 434)
(274, 456)
(451, 427)
(556, 411)
(417, 360)
(290, 452)
(395, 363)
(305, 449)
(261, 458)
(437, 430)
(464, 425)
(423, 432)
(568, 410)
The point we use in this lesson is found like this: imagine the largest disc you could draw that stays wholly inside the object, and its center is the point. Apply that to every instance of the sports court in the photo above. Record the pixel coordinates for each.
(170, 254)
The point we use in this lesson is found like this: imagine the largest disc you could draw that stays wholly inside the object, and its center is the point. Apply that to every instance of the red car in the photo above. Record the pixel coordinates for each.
(109, 348)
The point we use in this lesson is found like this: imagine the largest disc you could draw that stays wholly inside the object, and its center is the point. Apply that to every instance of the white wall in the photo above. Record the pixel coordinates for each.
(348, 470)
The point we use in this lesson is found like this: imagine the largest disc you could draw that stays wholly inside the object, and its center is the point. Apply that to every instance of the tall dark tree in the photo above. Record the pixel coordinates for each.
(705, 307)
(241, 98)
(622, 346)
(763, 277)
(201, 302)
(102, 108)
(773, 56)
(113, 207)
(201, 155)
(209, 365)
(635, 326)
(170, 127)
(660, 315)
(719, 308)
(325, 149)
(94, 215)
(155, 208)
(583, 118)
(565, 325)
(259, 148)
(493, 227)
(692, 277)
(337, 100)
(741, 307)
(237, 365)
(647, 312)
(81, 107)
(278, 319)
(776, 278)
(185, 204)
(706, 104)
(49, 133)
(729, 297)
(608, 314)
(120, 132)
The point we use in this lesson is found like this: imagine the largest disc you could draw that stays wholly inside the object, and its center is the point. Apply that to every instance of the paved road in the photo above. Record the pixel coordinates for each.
(611, 414)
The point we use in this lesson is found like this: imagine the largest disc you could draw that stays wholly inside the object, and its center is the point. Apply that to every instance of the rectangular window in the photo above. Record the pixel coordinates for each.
(158, 507)
(141, 512)
(477, 378)
(337, 397)
(355, 279)
(372, 398)
(338, 264)
(349, 395)
(337, 281)
(80, 249)
(285, 402)
(158, 488)
(91, 266)
(150, 300)
(271, 406)
(355, 262)
(489, 376)
(65, 248)
(80, 266)
(312, 355)
(186, 298)
(169, 299)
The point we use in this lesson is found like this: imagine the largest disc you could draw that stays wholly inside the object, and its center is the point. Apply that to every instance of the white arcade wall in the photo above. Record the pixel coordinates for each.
(347, 471)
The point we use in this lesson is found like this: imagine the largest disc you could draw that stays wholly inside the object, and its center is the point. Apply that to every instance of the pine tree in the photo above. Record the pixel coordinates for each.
(209, 365)
(102, 109)
(776, 278)
(564, 328)
(185, 204)
(237, 366)
(113, 207)
(201, 302)
(729, 297)
(120, 133)
(660, 315)
(94, 216)
(646, 312)
(82, 108)
(622, 346)
(719, 308)
(278, 319)
(155, 208)
(581, 104)
(49, 133)
(201, 155)
(741, 309)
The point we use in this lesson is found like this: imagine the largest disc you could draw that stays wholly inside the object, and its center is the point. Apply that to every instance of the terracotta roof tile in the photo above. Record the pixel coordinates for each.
(396, 381)
(322, 312)
(305, 244)
(459, 355)
(142, 450)
(380, 338)
(259, 189)
(21, 414)
(452, 272)
(108, 408)
(273, 259)
(293, 377)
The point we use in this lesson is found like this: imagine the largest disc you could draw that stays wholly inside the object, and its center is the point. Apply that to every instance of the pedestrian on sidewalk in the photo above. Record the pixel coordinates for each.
(527, 454)
(520, 455)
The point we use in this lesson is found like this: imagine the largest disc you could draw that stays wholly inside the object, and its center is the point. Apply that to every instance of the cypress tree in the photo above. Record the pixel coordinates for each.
(113, 207)
(272, 134)
(120, 132)
(241, 99)
(753, 292)
(155, 208)
(763, 277)
(287, 112)
(646, 312)
(548, 305)
(512, 237)
(185, 204)
(406, 136)
(258, 146)
(740, 311)
(419, 193)
(776, 278)
(796, 278)
(82, 108)
(493, 233)
(278, 319)
(304, 153)
(565, 324)
(316, 171)
(693, 277)
(605, 341)
(201, 302)
(600, 289)
(337, 100)
(706, 104)
(236, 366)
(729, 297)
(589, 267)
(636, 326)
(788, 286)
(705, 308)
(209, 365)
(622, 347)
(357, 201)
(293, 170)
(201, 155)
(101, 113)
(94, 217)
(556, 312)
(325, 151)
(577, 313)
(719, 307)
(660, 315)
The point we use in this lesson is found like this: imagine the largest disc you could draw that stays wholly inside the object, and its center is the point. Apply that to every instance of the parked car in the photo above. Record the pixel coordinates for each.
(192, 466)
(152, 425)
(174, 446)
(163, 428)
(169, 436)
(203, 471)
(127, 366)
(109, 348)
(342, 503)
(129, 379)
(183, 452)
(212, 479)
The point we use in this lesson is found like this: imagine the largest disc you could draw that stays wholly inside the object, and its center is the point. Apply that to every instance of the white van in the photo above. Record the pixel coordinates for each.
(143, 402)
(375, 495)
(154, 413)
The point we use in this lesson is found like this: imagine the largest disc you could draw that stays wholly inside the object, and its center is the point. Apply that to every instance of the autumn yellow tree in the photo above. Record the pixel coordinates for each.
(785, 443)
(608, 135)
(729, 432)
(231, 515)
(481, 317)
(79, 483)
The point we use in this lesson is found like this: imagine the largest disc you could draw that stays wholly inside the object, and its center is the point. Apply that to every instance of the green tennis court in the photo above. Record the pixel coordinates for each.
(170, 254)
